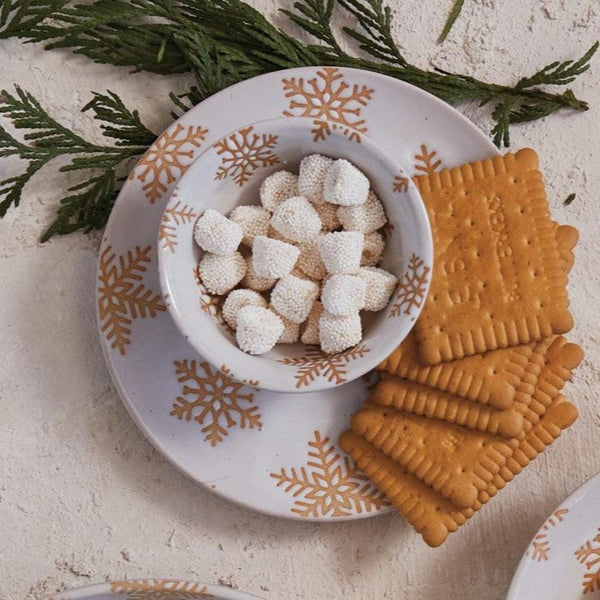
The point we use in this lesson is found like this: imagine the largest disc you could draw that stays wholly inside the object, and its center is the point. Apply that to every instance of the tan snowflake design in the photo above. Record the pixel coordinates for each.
(122, 297)
(158, 589)
(540, 547)
(167, 159)
(244, 152)
(211, 305)
(426, 163)
(330, 102)
(328, 485)
(174, 216)
(255, 383)
(410, 292)
(589, 556)
(401, 183)
(315, 363)
(212, 399)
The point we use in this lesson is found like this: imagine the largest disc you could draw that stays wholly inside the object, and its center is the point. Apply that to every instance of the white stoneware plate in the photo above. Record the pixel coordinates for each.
(269, 451)
(407, 235)
(562, 562)
(152, 589)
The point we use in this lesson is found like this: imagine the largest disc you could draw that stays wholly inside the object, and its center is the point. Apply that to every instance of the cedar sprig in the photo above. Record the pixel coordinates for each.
(46, 139)
(452, 16)
(19, 16)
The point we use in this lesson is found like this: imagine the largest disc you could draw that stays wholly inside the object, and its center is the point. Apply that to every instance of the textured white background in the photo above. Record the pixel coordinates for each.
(84, 497)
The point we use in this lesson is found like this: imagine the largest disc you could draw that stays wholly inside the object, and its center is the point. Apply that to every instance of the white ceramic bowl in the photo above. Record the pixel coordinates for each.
(229, 173)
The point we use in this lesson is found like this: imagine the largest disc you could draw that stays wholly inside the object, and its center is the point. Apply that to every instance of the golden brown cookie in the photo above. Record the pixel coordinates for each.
(497, 278)
(455, 461)
(489, 378)
(419, 399)
(566, 237)
(432, 515)
(561, 359)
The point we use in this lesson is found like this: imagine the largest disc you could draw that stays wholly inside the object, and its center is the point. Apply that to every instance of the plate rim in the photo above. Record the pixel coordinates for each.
(523, 565)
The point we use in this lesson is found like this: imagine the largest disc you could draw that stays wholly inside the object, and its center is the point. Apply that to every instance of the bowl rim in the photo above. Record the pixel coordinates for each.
(379, 352)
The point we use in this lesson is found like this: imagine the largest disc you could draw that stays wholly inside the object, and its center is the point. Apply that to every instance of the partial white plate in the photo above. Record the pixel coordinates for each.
(152, 589)
(562, 562)
(268, 451)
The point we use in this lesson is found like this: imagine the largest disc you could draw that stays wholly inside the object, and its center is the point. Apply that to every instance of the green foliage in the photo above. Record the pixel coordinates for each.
(454, 14)
(221, 42)
(46, 139)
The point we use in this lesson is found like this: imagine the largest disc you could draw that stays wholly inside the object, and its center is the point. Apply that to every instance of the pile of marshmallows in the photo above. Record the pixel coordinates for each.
(315, 236)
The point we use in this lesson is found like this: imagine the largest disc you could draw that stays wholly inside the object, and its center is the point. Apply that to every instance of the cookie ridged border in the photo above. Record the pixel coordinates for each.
(449, 377)
(423, 466)
(418, 399)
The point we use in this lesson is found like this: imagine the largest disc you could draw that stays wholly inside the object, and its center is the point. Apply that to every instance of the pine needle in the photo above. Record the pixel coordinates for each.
(454, 14)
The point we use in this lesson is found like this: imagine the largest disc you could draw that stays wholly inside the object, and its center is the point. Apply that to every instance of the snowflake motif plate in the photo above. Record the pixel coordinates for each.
(563, 559)
(152, 589)
(268, 451)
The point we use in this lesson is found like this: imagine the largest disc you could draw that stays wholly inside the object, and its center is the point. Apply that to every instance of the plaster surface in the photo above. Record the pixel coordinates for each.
(85, 498)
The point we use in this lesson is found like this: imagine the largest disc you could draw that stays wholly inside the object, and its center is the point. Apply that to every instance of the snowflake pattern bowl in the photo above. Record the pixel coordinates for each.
(229, 173)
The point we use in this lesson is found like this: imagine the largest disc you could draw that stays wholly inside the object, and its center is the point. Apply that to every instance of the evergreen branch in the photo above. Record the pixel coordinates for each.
(376, 21)
(46, 139)
(110, 32)
(225, 41)
(87, 210)
(559, 73)
(219, 42)
(118, 121)
(17, 17)
(454, 14)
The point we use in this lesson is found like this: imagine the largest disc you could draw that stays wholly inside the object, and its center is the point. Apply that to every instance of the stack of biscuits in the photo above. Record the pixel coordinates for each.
(473, 395)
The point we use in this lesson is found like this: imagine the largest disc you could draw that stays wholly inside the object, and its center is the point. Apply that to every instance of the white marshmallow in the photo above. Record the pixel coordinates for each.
(293, 297)
(366, 217)
(344, 294)
(278, 187)
(236, 300)
(341, 251)
(221, 273)
(273, 258)
(254, 220)
(216, 234)
(380, 285)
(309, 261)
(337, 334)
(328, 213)
(311, 178)
(372, 249)
(258, 329)
(345, 184)
(255, 282)
(291, 330)
(296, 219)
(310, 335)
